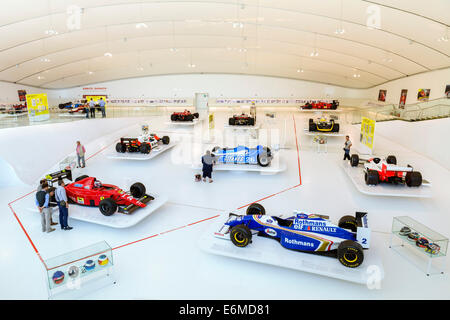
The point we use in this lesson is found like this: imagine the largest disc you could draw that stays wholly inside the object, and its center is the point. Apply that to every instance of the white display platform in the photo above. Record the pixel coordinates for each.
(183, 123)
(255, 127)
(16, 115)
(276, 166)
(269, 251)
(356, 175)
(140, 156)
(73, 115)
(325, 134)
(117, 220)
(319, 110)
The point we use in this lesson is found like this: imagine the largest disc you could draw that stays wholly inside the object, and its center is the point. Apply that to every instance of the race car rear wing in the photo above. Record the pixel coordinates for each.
(66, 173)
(363, 230)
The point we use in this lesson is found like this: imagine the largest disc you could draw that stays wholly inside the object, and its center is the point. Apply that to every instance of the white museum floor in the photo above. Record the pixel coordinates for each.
(160, 257)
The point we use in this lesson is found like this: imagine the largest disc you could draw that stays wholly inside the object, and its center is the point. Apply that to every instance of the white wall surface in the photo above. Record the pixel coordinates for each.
(435, 80)
(8, 93)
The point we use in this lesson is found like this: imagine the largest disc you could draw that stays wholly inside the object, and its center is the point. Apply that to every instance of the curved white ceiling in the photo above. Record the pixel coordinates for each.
(258, 37)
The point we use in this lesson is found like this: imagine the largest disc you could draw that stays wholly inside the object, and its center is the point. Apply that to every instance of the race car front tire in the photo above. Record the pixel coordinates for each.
(174, 117)
(165, 140)
(335, 127)
(81, 177)
(413, 179)
(240, 235)
(107, 207)
(231, 121)
(251, 121)
(312, 126)
(195, 115)
(354, 160)
(255, 209)
(121, 148)
(263, 159)
(391, 159)
(348, 222)
(137, 190)
(145, 148)
(372, 178)
(350, 253)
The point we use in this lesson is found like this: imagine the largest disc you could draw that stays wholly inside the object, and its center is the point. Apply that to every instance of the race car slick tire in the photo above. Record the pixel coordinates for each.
(173, 117)
(121, 148)
(350, 254)
(335, 127)
(231, 122)
(391, 159)
(263, 159)
(251, 121)
(372, 178)
(255, 209)
(348, 222)
(107, 206)
(354, 160)
(240, 235)
(137, 190)
(165, 140)
(145, 148)
(81, 177)
(413, 179)
(312, 126)
(195, 115)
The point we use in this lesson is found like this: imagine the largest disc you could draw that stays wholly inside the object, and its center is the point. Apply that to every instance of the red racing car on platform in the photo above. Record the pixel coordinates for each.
(89, 191)
(186, 115)
(242, 120)
(321, 105)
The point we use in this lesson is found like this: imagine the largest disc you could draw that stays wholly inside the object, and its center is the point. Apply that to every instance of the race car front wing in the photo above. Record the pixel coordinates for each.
(132, 207)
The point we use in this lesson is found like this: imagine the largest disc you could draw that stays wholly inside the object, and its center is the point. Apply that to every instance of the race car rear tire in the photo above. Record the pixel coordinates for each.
(354, 160)
(251, 121)
(81, 177)
(335, 127)
(137, 190)
(145, 148)
(121, 148)
(165, 140)
(264, 159)
(174, 117)
(350, 253)
(372, 178)
(255, 209)
(195, 115)
(107, 206)
(312, 126)
(391, 159)
(231, 121)
(240, 235)
(413, 179)
(348, 222)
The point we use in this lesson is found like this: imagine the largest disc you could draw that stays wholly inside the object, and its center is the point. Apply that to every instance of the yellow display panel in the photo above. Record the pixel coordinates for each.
(367, 132)
(37, 105)
(211, 121)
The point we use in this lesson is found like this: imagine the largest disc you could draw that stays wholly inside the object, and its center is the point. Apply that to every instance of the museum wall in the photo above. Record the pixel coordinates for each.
(8, 93)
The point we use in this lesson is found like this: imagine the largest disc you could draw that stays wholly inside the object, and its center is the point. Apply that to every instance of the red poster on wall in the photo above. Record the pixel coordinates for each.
(402, 102)
(22, 95)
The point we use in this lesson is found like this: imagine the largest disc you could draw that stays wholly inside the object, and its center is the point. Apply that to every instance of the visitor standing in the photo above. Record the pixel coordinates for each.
(102, 104)
(43, 204)
(63, 205)
(208, 162)
(81, 151)
(92, 108)
(347, 146)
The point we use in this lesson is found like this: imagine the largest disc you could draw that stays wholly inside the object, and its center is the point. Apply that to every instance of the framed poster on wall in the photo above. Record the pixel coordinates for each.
(382, 95)
(423, 94)
(22, 95)
(403, 94)
(447, 91)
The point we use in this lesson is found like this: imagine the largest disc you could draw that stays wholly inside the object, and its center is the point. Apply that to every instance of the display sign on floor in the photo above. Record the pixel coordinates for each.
(367, 132)
(37, 105)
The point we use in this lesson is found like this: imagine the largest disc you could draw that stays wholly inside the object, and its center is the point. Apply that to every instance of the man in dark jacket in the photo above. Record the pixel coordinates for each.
(43, 202)
(208, 162)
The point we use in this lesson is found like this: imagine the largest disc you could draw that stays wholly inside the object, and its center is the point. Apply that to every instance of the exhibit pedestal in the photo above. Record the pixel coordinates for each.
(141, 156)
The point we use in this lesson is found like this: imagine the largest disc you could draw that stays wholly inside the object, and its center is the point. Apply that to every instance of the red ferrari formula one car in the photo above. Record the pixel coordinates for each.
(18, 108)
(321, 105)
(186, 115)
(88, 191)
(241, 120)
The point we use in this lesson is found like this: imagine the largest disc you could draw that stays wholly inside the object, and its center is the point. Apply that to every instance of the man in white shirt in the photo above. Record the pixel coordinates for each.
(63, 205)
(92, 107)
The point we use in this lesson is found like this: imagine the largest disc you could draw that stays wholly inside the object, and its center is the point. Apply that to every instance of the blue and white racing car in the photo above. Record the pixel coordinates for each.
(303, 232)
(243, 155)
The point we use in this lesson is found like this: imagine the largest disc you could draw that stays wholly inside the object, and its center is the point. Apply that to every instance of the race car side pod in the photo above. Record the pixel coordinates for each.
(65, 173)
(132, 207)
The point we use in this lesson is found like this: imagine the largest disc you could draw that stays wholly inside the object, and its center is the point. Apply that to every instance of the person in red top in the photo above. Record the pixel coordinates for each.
(80, 154)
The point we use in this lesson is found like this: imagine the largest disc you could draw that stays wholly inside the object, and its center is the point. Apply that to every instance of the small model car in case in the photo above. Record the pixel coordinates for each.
(186, 115)
(321, 105)
(243, 155)
(302, 232)
(145, 143)
(242, 120)
(89, 191)
(323, 125)
(377, 170)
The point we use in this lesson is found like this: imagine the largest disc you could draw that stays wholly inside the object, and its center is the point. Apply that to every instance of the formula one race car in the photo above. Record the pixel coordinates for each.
(243, 155)
(66, 105)
(242, 120)
(303, 232)
(323, 125)
(17, 108)
(88, 191)
(378, 170)
(145, 143)
(186, 115)
(321, 105)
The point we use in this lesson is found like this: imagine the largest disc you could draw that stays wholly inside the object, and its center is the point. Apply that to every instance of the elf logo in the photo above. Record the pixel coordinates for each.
(270, 232)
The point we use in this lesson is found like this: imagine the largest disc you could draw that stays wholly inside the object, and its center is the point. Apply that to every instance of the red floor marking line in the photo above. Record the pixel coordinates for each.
(213, 217)
(129, 243)
(173, 230)
(102, 149)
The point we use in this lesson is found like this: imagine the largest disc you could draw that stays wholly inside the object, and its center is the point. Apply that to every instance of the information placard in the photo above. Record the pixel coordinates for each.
(367, 132)
(37, 105)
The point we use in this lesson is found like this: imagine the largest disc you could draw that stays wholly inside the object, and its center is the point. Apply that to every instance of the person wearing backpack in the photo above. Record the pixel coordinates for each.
(42, 202)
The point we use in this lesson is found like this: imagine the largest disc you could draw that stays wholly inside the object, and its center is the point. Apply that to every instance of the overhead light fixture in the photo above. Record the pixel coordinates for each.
(141, 25)
(387, 60)
(242, 49)
(356, 75)
(40, 77)
(445, 37)
(90, 72)
(51, 32)
(191, 65)
(339, 31)
(237, 25)
(300, 70)
(173, 49)
(314, 53)
(45, 59)
(108, 54)
(140, 68)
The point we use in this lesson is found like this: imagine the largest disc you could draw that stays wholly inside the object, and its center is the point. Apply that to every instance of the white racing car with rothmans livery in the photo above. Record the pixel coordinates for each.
(302, 232)
(378, 170)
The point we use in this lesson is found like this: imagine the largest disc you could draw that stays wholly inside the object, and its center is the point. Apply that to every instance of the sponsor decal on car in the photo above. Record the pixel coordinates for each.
(270, 232)
(299, 243)
(80, 200)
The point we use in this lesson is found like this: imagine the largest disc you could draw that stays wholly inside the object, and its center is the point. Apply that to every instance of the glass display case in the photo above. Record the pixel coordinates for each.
(419, 244)
(79, 272)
